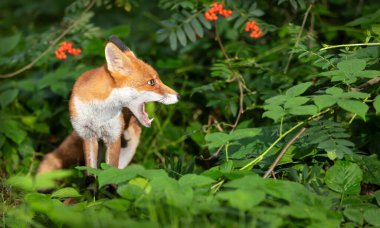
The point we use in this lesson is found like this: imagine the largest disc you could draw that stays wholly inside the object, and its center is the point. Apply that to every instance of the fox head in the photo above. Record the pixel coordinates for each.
(136, 82)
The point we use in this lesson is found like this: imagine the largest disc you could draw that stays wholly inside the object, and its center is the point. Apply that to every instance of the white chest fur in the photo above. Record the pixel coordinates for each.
(101, 118)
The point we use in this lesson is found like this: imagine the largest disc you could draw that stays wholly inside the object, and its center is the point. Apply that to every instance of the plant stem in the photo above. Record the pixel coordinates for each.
(349, 45)
(299, 36)
(283, 151)
(261, 156)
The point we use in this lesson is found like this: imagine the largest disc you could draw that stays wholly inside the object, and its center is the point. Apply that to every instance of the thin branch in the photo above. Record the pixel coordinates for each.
(370, 82)
(283, 151)
(64, 33)
(217, 37)
(241, 105)
(299, 36)
(349, 45)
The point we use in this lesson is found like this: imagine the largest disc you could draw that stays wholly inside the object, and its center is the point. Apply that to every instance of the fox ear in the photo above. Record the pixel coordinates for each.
(117, 61)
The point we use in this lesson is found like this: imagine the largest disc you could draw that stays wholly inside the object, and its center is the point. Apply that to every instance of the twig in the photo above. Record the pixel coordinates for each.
(241, 105)
(283, 151)
(299, 36)
(217, 37)
(370, 82)
(67, 30)
(349, 45)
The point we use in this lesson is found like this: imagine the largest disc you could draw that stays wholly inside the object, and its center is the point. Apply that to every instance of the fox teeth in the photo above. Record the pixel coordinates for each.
(151, 120)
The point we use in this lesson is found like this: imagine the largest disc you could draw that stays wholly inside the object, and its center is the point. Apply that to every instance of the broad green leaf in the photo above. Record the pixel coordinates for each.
(242, 199)
(130, 192)
(372, 216)
(344, 177)
(356, 95)
(244, 133)
(173, 40)
(368, 74)
(353, 106)
(12, 130)
(189, 32)
(195, 181)
(334, 91)
(354, 214)
(295, 101)
(376, 104)
(181, 36)
(216, 139)
(65, 193)
(303, 110)
(324, 101)
(8, 96)
(275, 115)
(8, 43)
(24, 183)
(277, 100)
(298, 89)
(49, 180)
(352, 65)
(377, 197)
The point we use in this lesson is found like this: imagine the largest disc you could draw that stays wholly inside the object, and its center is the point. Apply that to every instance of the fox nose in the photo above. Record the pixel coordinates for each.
(178, 96)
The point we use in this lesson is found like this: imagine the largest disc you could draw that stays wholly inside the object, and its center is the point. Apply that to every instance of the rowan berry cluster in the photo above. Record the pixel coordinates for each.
(217, 8)
(64, 47)
(254, 29)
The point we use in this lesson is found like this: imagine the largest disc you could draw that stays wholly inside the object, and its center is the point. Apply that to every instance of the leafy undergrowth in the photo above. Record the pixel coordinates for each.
(278, 123)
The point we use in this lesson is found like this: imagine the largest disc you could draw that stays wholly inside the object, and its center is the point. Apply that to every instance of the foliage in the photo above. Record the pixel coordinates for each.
(298, 102)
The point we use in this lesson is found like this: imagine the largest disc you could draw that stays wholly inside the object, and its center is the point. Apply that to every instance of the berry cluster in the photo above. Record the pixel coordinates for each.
(60, 53)
(255, 30)
(217, 8)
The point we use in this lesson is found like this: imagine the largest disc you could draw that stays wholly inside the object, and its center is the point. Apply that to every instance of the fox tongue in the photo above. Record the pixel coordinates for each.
(145, 118)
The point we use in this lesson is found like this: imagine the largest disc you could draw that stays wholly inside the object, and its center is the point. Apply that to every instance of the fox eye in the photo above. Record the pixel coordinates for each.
(152, 82)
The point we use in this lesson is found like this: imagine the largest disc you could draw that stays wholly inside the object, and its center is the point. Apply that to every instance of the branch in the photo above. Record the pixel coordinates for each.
(283, 151)
(299, 36)
(349, 45)
(370, 82)
(67, 30)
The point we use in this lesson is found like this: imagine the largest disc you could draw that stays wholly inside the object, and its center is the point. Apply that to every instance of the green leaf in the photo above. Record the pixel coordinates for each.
(242, 199)
(216, 139)
(24, 183)
(344, 177)
(324, 101)
(303, 110)
(244, 133)
(195, 181)
(352, 65)
(181, 36)
(67, 192)
(334, 91)
(356, 107)
(277, 100)
(8, 97)
(295, 101)
(298, 89)
(197, 27)
(205, 22)
(275, 115)
(12, 130)
(376, 104)
(372, 216)
(356, 95)
(8, 43)
(173, 40)
(189, 32)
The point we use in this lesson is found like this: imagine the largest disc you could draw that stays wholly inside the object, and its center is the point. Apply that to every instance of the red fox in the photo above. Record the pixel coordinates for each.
(108, 103)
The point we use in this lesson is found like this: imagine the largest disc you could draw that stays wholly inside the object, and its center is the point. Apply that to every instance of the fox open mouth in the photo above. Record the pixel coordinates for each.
(143, 117)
